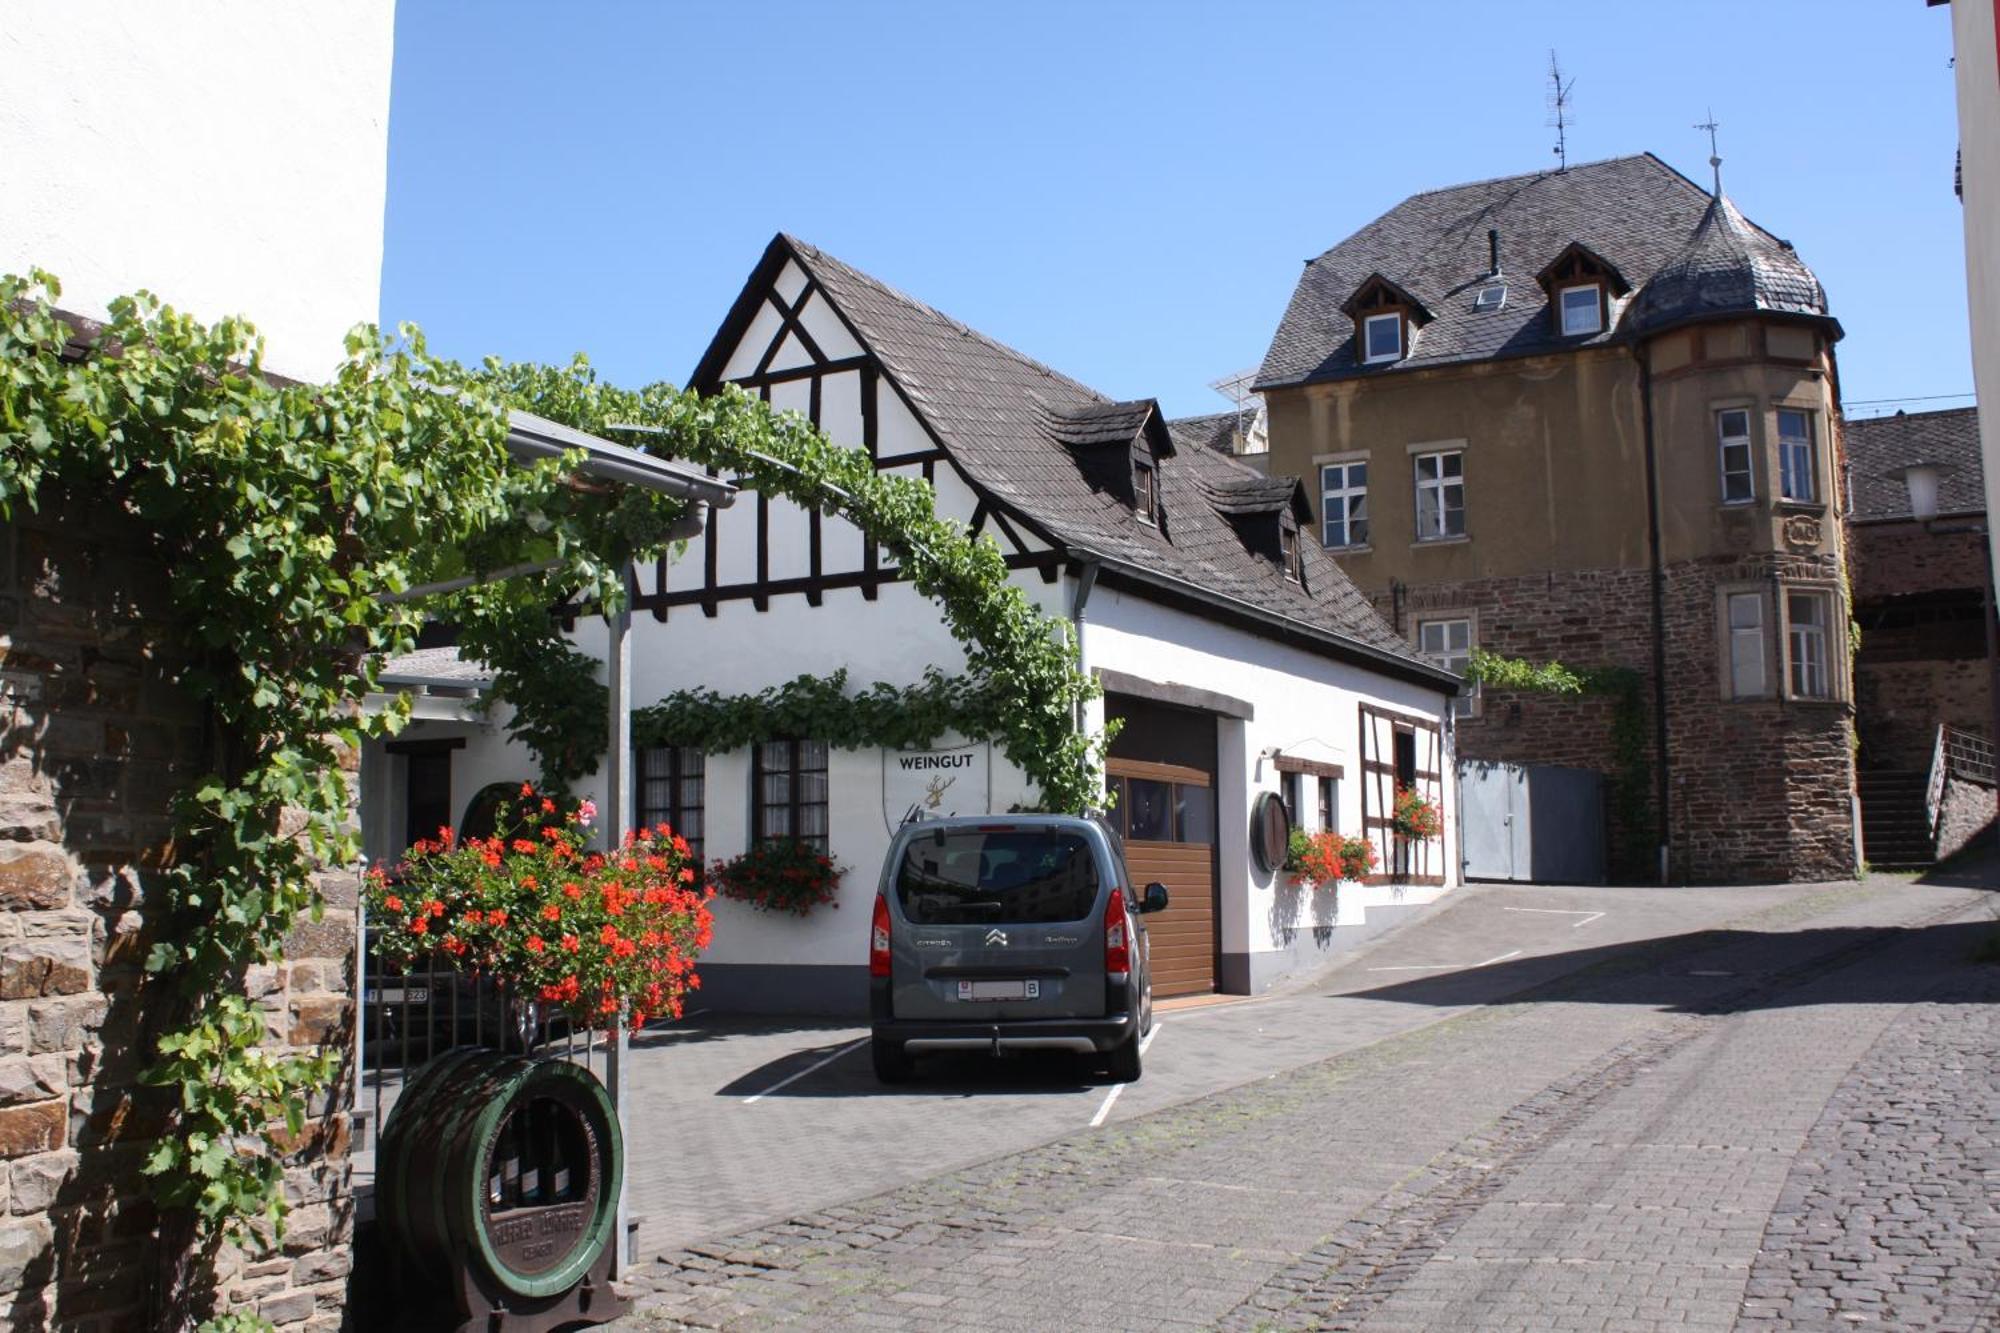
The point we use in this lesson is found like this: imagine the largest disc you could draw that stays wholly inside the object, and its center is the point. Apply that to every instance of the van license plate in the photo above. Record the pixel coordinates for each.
(1000, 990)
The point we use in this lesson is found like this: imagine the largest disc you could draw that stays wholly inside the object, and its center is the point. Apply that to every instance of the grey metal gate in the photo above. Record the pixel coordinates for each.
(1535, 823)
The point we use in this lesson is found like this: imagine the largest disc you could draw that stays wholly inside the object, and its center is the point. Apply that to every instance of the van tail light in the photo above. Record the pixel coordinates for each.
(1117, 935)
(878, 939)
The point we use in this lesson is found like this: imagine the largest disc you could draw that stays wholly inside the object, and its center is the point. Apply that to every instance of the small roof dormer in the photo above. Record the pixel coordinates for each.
(1581, 284)
(1386, 319)
(1267, 513)
(1118, 448)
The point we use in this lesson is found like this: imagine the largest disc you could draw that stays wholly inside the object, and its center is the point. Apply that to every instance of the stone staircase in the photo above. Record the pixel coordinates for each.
(1895, 830)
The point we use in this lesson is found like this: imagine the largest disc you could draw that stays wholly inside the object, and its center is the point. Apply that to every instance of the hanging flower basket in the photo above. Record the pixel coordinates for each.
(1414, 817)
(586, 934)
(1328, 858)
(779, 875)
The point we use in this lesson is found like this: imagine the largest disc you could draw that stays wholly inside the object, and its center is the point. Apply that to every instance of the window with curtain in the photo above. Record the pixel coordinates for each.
(789, 792)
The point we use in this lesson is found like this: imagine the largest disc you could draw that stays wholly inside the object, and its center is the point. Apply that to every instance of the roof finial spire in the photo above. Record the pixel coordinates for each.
(1714, 152)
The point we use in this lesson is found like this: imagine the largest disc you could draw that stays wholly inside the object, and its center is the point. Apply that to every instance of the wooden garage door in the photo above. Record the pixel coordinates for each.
(1167, 815)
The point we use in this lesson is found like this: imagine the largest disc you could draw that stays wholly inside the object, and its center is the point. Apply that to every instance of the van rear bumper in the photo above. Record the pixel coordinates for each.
(919, 1035)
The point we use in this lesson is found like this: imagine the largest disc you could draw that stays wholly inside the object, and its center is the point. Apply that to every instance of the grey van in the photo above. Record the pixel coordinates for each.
(1004, 933)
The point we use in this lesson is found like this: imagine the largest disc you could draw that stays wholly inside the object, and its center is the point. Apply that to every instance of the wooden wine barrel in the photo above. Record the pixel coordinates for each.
(503, 1163)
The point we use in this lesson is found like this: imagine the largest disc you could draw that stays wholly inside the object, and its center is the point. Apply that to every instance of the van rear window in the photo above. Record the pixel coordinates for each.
(965, 877)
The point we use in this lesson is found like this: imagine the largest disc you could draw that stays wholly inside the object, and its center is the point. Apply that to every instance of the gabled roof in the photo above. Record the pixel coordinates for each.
(1636, 213)
(1397, 292)
(990, 409)
(1878, 446)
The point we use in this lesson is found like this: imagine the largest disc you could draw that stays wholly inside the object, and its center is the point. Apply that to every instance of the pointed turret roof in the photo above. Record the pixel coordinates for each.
(1728, 266)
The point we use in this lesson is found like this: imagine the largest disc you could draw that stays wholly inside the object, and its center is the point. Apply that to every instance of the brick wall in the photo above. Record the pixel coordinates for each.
(1760, 790)
(1898, 559)
(97, 736)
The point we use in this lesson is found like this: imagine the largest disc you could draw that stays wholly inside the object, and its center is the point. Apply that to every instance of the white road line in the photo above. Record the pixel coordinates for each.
(1447, 967)
(1588, 917)
(790, 1079)
(1117, 1088)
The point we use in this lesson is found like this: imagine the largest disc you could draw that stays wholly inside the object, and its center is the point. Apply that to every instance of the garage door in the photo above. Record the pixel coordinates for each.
(1166, 813)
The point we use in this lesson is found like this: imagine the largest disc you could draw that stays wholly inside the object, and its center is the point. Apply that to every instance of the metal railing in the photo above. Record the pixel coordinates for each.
(406, 1016)
(1957, 754)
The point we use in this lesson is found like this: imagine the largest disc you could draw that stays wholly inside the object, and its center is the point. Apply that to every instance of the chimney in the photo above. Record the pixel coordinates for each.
(1493, 249)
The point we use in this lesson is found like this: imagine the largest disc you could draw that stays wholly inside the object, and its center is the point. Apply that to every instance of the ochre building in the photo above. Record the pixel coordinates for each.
(1590, 417)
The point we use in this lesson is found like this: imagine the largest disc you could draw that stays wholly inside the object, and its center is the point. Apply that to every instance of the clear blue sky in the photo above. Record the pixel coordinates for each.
(1125, 191)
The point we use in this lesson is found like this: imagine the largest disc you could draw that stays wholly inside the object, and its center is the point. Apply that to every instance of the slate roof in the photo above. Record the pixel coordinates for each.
(1637, 213)
(1102, 423)
(1216, 431)
(1878, 446)
(992, 410)
(1726, 267)
(1255, 494)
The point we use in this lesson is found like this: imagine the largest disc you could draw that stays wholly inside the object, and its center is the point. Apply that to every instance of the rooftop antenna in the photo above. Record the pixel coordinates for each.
(1560, 114)
(1714, 153)
(1236, 388)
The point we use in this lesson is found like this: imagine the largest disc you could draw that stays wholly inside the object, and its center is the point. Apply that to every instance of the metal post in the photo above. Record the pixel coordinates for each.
(617, 817)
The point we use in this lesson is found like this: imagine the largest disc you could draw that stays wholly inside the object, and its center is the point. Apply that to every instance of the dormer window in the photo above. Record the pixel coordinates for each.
(1580, 284)
(1386, 319)
(1385, 338)
(1582, 310)
(1142, 492)
(1288, 551)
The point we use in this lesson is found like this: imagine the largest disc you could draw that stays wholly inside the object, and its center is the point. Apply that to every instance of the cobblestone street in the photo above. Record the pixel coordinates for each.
(1784, 1119)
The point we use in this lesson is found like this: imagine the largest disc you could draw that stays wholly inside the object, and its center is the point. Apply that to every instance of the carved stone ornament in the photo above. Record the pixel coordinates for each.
(1802, 531)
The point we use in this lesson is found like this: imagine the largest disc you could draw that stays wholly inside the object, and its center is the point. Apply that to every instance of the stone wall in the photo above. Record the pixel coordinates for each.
(1760, 790)
(97, 737)
(1918, 596)
(1966, 811)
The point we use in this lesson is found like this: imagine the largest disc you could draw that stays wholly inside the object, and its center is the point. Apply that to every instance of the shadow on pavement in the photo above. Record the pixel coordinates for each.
(1702, 971)
(948, 1075)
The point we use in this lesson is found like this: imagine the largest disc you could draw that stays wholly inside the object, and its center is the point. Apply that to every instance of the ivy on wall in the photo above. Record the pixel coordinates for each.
(1632, 780)
(289, 516)
(896, 718)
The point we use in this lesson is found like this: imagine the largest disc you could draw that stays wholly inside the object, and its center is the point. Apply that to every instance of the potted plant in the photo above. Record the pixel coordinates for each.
(779, 875)
(1415, 818)
(1328, 858)
(587, 934)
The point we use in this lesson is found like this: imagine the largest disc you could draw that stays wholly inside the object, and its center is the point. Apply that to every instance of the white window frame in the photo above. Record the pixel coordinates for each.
(1466, 704)
(1790, 468)
(1439, 486)
(1564, 308)
(1348, 494)
(1739, 641)
(1810, 669)
(1369, 355)
(1724, 444)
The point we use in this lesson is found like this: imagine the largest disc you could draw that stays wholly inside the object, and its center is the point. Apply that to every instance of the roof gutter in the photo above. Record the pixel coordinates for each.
(1116, 571)
(531, 438)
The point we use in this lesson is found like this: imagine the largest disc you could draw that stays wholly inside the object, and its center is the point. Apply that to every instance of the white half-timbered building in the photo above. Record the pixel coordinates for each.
(1239, 656)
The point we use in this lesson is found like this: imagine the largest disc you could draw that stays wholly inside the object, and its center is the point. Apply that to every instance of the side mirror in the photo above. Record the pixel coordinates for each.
(1155, 899)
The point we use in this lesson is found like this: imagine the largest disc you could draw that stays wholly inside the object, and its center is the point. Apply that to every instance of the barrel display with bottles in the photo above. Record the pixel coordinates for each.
(508, 1164)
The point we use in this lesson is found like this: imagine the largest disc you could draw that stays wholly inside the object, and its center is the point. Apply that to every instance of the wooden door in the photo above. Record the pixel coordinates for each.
(1166, 813)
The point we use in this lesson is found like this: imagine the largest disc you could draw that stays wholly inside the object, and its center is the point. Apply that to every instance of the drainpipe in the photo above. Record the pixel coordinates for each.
(1659, 603)
(1086, 579)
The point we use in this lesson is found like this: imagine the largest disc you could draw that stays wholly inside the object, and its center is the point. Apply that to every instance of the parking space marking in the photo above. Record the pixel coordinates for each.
(1447, 967)
(1117, 1088)
(1588, 917)
(790, 1079)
